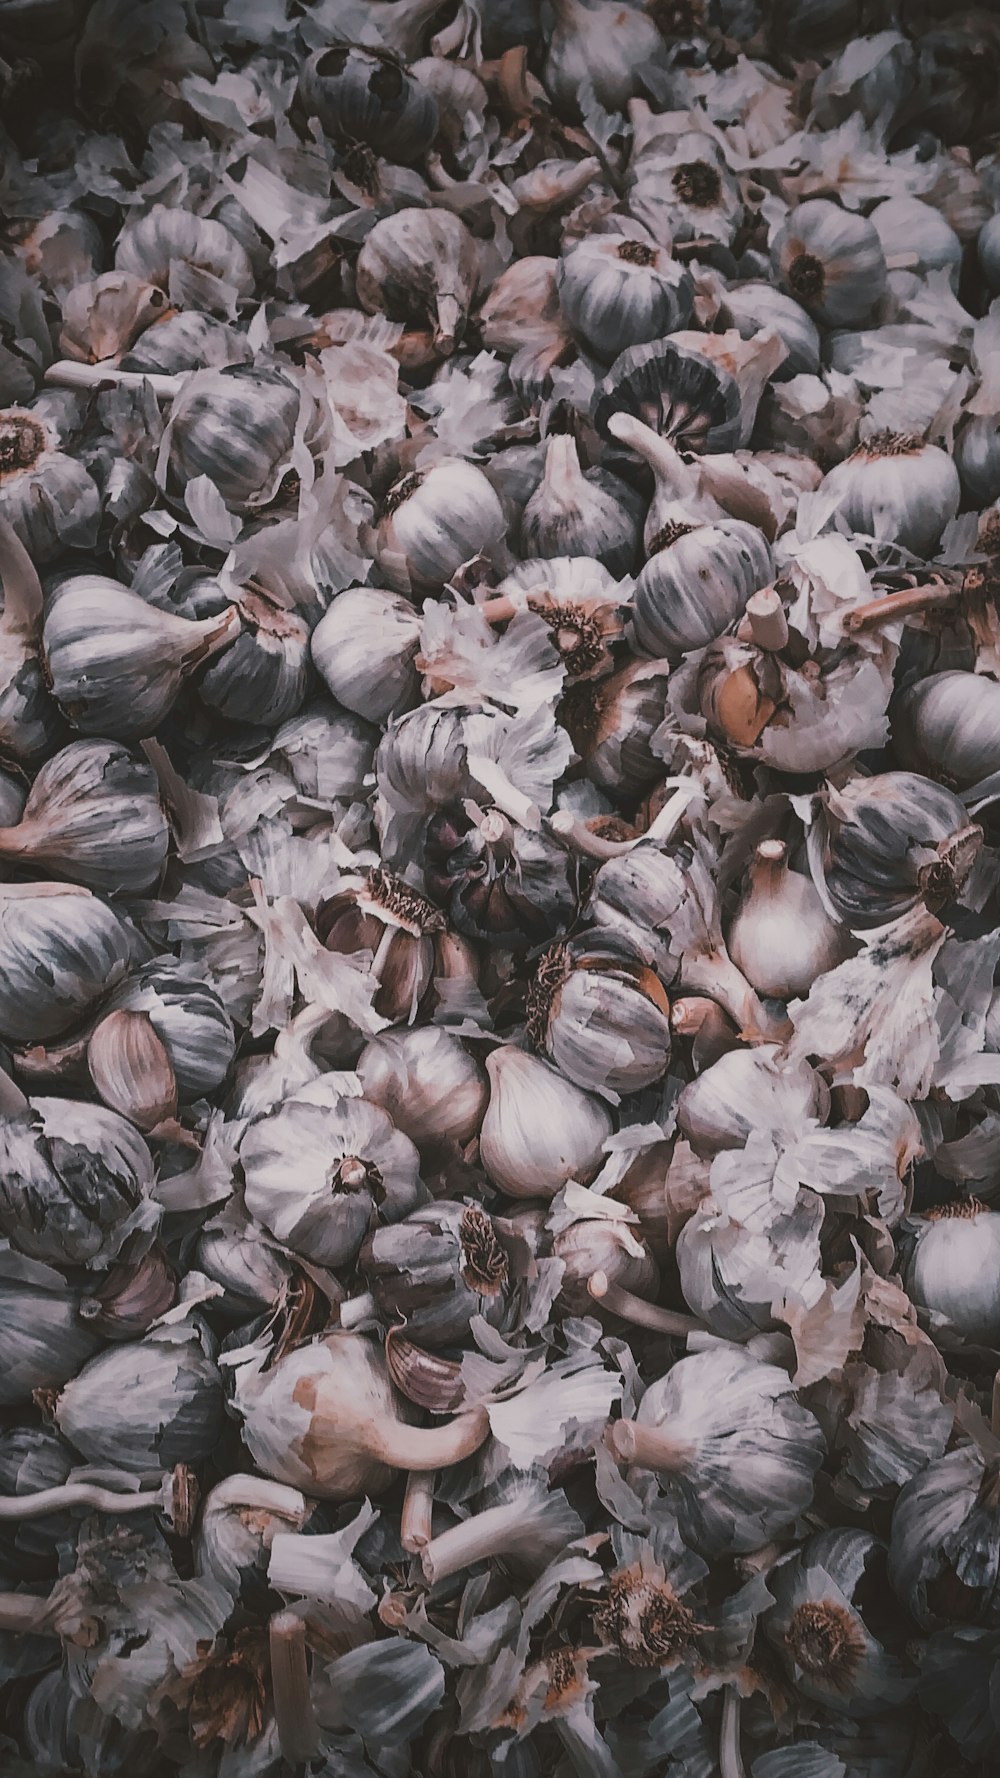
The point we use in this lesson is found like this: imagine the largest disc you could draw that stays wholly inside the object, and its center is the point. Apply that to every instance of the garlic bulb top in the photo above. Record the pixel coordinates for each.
(896, 486)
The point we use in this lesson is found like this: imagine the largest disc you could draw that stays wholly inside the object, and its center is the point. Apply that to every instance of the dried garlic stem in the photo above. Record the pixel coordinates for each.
(429, 1447)
(766, 617)
(730, 1758)
(481, 1538)
(892, 606)
(498, 610)
(358, 1309)
(649, 1447)
(294, 1715)
(418, 1504)
(569, 827)
(103, 1500)
(636, 1309)
(67, 374)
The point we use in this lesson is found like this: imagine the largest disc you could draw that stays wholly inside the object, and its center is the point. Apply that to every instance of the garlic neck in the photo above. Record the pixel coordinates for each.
(647, 1447)
(563, 475)
(401, 1446)
(674, 479)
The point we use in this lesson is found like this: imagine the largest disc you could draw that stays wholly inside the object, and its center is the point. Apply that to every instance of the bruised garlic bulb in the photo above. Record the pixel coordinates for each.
(748, 1090)
(363, 649)
(897, 487)
(620, 290)
(732, 1448)
(425, 1078)
(433, 521)
(539, 1129)
(948, 725)
(326, 1419)
(93, 814)
(782, 936)
(574, 512)
(421, 266)
(954, 1268)
(350, 1163)
(61, 950)
(831, 261)
(117, 664)
(603, 1020)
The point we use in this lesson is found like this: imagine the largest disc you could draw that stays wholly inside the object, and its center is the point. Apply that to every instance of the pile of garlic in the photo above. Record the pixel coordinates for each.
(499, 909)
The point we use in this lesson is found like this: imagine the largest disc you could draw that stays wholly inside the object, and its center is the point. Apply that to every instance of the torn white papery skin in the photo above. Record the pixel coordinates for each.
(533, 1423)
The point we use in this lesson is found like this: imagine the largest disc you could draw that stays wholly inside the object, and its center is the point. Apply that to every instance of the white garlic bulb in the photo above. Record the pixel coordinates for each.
(364, 647)
(427, 1081)
(782, 936)
(897, 487)
(831, 260)
(954, 1268)
(435, 520)
(619, 290)
(749, 1089)
(539, 1130)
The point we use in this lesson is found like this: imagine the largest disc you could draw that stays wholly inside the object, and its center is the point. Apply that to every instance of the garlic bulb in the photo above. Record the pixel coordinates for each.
(977, 458)
(254, 1273)
(953, 1269)
(117, 664)
(600, 45)
(31, 723)
(61, 950)
(48, 498)
(189, 1019)
(93, 814)
(364, 648)
(427, 1081)
(782, 936)
(733, 1450)
(423, 267)
(945, 1540)
(890, 842)
(240, 1518)
(752, 305)
(696, 582)
(148, 1404)
(361, 94)
(817, 1627)
(437, 1269)
(72, 1178)
(916, 239)
(603, 1021)
(948, 725)
(45, 1339)
(679, 182)
(831, 261)
(676, 392)
(578, 601)
(581, 513)
(351, 1162)
(433, 521)
(749, 1090)
(326, 1419)
(539, 1129)
(611, 725)
(195, 258)
(621, 290)
(610, 1247)
(238, 426)
(988, 252)
(898, 487)
(413, 953)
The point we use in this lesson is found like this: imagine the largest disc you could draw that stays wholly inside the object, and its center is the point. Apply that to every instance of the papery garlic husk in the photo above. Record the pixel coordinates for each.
(679, 182)
(131, 1069)
(351, 1165)
(696, 582)
(423, 267)
(364, 648)
(614, 1248)
(104, 316)
(948, 725)
(503, 884)
(61, 950)
(816, 1626)
(752, 305)
(240, 1518)
(954, 1268)
(149, 1404)
(329, 752)
(326, 1419)
(117, 664)
(581, 513)
(602, 1019)
(539, 1129)
(580, 604)
(734, 1451)
(48, 498)
(889, 842)
(44, 1338)
(239, 427)
(437, 1269)
(426, 1079)
(944, 1550)
(521, 317)
(620, 290)
(188, 1018)
(736, 1264)
(676, 392)
(435, 520)
(611, 725)
(131, 1297)
(831, 260)
(405, 933)
(254, 1273)
(75, 1180)
(361, 94)
(62, 248)
(749, 1090)
(93, 814)
(916, 239)
(196, 259)
(31, 723)
(601, 46)
(782, 936)
(895, 486)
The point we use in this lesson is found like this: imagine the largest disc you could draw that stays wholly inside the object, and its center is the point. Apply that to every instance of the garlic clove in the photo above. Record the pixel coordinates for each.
(539, 1129)
(131, 1069)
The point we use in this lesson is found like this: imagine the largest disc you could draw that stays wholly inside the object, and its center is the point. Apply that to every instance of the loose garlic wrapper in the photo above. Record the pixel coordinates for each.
(499, 788)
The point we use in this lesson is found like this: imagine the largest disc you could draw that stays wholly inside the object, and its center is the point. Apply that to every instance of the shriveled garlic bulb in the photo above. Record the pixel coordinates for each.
(782, 936)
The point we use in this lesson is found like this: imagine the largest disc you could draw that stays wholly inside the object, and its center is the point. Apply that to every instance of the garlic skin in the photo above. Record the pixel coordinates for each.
(49, 499)
(977, 458)
(896, 487)
(193, 258)
(539, 1129)
(131, 1070)
(425, 1078)
(240, 1518)
(238, 427)
(186, 341)
(189, 1019)
(350, 1162)
(831, 261)
(363, 649)
(734, 1451)
(918, 238)
(889, 842)
(945, 1540)
(611, 725)
(434, 521)
(817, 1628)
(93, 814)
(149, 1404)
(422, 267)
(326, 1419)
(31, 723)
(437, 1269)
(696, 582)
(749, 1090)
(621, 290)
(954, 1268)
(103, 317)
(751, 305)
(948, 726)
(600, 44)
(360, 94)
(45, 1339)
(61, 950)
(72, 1177)
(117, 664)
(581, 513)
(603, 1021)
(782, 936)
